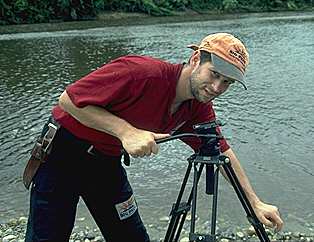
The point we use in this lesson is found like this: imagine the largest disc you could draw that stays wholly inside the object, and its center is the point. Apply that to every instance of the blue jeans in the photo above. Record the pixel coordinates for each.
(101, 181)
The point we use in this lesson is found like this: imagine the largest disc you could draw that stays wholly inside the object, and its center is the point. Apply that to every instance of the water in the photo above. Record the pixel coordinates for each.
(270, 126)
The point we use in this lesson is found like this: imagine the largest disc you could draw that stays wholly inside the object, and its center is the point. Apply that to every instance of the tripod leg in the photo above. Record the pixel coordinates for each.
(199, 172)
(174, 216)
(173, 231)
(193, 212)
(214, 205)
(258, 226)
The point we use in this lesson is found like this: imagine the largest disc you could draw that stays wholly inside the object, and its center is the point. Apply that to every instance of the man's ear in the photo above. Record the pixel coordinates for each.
(195, 58)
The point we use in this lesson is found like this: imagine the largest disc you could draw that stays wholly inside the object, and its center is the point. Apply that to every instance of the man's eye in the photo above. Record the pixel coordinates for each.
(216, 74)
(229, 82)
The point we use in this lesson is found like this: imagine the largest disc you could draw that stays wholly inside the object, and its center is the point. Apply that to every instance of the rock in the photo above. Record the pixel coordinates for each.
(224, 240)
(164, 219)
(250, 231)
(184, 239)
(81, 234)
(8, 238)
(22, 220)
(98, 239)
(13, 222)
(240, 235)
(90, 235)
(8, 231)
(271, 232)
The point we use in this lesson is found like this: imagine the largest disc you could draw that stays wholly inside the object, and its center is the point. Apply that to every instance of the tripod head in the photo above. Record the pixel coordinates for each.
(207, 132)
(210, 144)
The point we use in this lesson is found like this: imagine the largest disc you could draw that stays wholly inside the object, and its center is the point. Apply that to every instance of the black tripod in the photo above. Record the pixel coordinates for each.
(210, 157)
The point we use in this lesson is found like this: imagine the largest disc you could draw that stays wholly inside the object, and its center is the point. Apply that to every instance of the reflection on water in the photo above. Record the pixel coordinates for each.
(270, 126)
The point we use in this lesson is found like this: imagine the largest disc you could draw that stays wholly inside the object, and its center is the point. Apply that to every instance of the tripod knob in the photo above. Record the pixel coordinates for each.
(224, 159)
(200, 238)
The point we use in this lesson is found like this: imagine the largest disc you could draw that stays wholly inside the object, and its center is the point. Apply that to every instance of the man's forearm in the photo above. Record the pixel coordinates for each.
(95, 117)
(243, 179)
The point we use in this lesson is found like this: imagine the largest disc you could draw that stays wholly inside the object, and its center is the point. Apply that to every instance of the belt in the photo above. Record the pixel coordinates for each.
(94, 152)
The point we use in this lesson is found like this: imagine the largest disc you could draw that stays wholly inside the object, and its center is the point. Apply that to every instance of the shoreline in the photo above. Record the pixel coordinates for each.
(14, 231)
(109, 19)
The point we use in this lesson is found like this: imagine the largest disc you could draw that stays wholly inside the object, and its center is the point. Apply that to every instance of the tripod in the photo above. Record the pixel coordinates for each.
(208, 156)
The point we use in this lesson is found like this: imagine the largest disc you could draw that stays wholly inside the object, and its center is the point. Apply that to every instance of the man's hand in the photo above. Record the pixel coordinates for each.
(268, 215)
(140, 143)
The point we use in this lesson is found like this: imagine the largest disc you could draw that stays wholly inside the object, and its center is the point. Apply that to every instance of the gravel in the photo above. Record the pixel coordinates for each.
(14, 231)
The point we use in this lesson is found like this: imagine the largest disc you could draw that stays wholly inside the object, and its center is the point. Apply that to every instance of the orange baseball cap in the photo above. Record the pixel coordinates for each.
(229, 55)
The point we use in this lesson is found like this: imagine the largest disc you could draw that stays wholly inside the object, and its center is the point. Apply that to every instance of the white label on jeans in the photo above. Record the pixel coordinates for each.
(126, 209)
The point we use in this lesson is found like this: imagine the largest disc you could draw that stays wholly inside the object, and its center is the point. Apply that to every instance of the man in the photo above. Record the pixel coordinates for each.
(130, 103)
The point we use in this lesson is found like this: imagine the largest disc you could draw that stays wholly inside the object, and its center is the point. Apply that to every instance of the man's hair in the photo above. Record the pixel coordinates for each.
(205, 57)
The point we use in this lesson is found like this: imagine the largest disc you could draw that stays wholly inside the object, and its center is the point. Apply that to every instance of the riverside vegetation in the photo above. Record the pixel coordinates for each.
(43, 11)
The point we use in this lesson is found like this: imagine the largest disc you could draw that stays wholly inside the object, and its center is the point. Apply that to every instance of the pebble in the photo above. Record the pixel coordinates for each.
(250, 231)
(184, 239)
(22, 220)
(8, 238)
(164, 219)
(99, 239)
(8, 231)
(14, 231)
(90, 235)
(240, 235)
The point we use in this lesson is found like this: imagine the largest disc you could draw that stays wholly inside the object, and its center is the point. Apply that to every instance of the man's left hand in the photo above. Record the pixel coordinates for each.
(269, 215)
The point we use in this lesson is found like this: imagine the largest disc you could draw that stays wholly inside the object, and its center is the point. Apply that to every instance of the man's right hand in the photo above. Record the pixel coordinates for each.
(140, 143)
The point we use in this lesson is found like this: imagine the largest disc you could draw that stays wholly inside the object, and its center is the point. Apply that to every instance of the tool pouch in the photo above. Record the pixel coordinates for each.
(39, 152)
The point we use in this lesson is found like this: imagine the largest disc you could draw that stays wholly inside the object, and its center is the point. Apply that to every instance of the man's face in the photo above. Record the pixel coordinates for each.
(207, 84)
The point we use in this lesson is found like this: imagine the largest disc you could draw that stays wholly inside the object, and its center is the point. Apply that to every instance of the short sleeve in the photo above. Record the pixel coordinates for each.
(109, 83)
(201, 113)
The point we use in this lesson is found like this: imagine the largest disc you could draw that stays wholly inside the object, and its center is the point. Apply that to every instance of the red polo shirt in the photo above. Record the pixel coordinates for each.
(139, 90)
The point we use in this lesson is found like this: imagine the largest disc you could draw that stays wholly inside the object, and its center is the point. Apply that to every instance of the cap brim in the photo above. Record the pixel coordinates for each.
(227, 69)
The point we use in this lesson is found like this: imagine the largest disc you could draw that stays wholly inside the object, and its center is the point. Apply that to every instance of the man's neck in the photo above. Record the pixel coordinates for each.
(183, 89)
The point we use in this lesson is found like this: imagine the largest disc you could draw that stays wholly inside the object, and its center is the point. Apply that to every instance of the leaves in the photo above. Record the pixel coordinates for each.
(37, 11)
(230, 4)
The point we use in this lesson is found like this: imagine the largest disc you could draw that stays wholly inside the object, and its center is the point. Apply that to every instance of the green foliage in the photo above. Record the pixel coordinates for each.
(230, 5)
(37, 11)
(202, 5)
(292, 5)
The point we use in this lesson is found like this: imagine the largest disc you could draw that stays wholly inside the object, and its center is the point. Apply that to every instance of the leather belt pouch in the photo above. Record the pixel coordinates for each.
(39, 153)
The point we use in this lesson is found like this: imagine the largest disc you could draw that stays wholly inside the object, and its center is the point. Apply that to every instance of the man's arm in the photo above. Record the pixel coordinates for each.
(267, 214)
(135, 141)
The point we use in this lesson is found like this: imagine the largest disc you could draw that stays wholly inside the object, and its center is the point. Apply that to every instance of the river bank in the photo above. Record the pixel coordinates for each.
(14, 230)
(107, 19)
